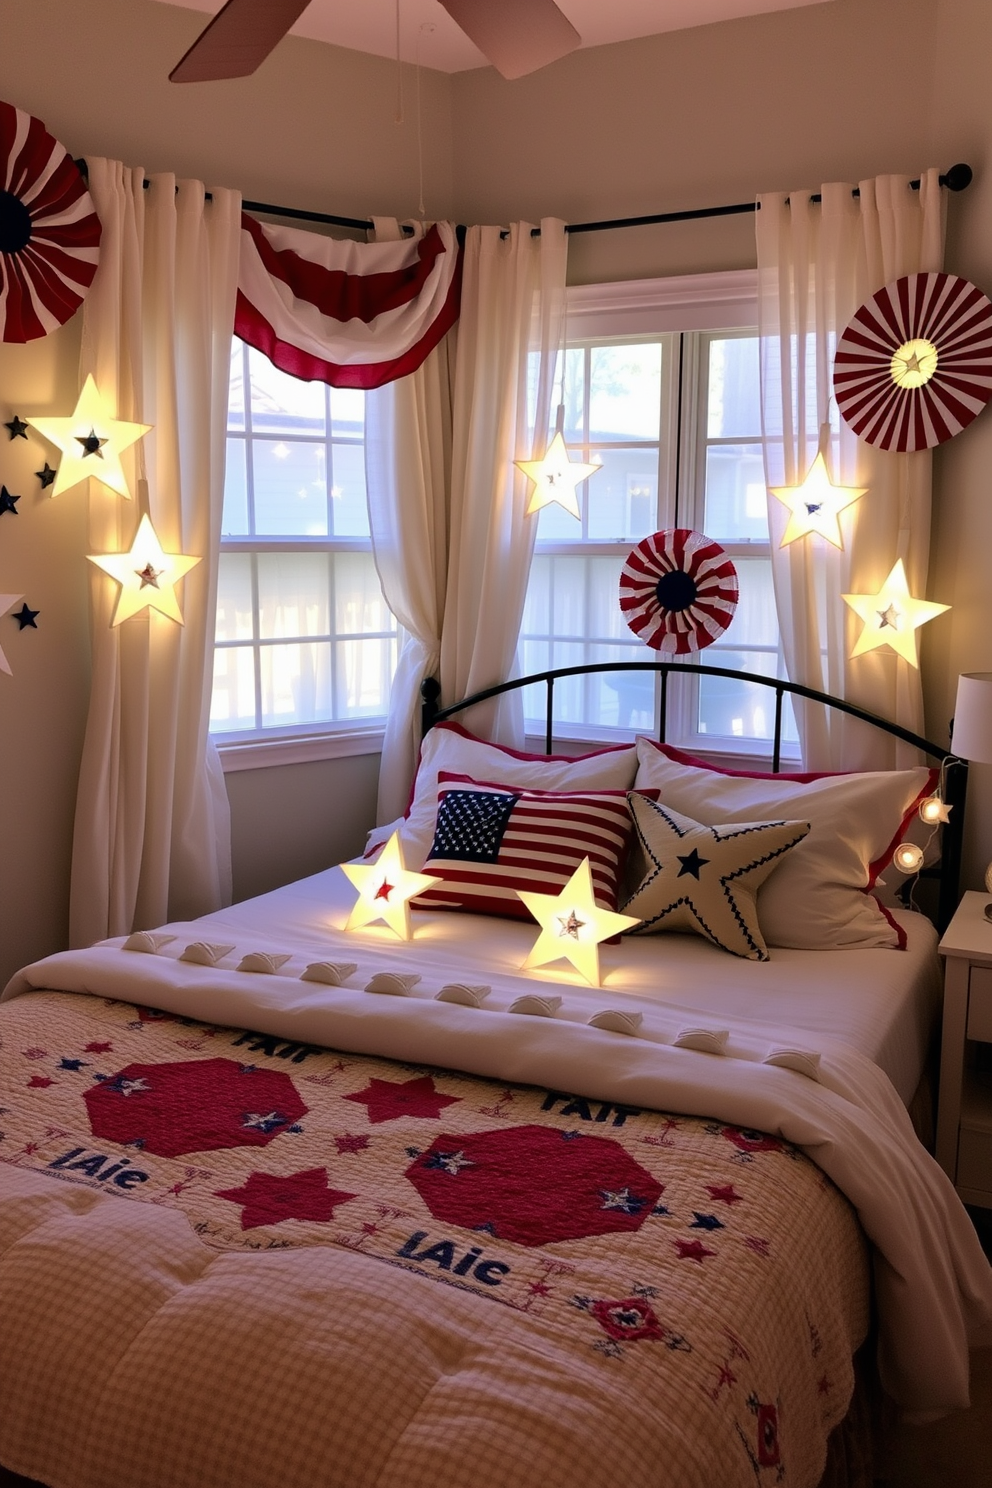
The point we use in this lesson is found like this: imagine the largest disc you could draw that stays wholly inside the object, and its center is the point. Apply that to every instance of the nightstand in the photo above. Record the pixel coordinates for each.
(964, 1112)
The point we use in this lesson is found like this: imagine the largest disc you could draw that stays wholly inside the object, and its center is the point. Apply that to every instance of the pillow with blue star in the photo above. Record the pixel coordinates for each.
(705, 879)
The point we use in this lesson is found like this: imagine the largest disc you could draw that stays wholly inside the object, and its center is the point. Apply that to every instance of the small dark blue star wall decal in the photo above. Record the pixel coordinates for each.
(46, 476)
(18, 428)
(8, 503)
(25, 617)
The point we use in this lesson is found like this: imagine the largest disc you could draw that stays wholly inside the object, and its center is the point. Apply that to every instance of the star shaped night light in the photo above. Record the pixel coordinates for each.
(572, 925)
(892, 616)
(146, 574)
(556, 477)
(815, 505)
(385, 889)
(7, 602)
(91, 442)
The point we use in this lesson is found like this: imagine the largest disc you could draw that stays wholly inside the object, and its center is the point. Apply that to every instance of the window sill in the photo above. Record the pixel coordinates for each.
(256, 753)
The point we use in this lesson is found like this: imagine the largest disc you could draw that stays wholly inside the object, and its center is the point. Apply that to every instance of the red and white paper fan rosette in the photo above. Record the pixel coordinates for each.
(915, 364)
(678, 590)
(49, 230)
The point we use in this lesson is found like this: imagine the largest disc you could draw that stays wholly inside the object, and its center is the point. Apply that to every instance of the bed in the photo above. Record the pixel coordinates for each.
(286, 1204)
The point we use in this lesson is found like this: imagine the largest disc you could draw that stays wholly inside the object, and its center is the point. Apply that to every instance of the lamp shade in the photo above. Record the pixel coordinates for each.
(971, 734)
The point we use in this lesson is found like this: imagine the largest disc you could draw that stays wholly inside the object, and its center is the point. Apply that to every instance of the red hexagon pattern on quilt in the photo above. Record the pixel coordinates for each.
(534, 1185)
(193, 1105)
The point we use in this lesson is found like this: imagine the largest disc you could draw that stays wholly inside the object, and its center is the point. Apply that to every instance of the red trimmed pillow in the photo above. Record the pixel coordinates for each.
(819, 898)
(449, 746)
(492, 839)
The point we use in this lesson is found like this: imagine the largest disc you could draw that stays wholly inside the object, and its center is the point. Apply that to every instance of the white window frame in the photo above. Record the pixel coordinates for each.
(249, 749)
(645, 310)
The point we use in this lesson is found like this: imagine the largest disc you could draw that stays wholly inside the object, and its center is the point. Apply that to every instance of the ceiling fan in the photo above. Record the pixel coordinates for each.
(517, 36)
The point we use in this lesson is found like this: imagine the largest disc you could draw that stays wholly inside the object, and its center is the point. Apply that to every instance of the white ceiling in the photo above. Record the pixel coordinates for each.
(427, 29)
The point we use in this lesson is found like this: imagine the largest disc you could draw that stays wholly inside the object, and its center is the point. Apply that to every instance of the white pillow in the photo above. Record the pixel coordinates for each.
(450, 747)
(819, 897)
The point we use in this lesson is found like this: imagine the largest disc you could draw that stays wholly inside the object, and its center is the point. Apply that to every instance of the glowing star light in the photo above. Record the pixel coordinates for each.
(7, 602)
(816, 504)
(556, 477)
(892, 616)
(91, 442)
(572, 925)
(146, 575)
(385, 889)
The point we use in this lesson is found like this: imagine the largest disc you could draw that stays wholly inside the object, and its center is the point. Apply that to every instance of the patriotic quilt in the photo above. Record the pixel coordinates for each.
(261, 1224)
(582, 1291)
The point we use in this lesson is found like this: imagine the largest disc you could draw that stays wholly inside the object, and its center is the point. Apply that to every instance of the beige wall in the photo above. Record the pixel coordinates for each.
(691, 118)
(291, 820)
(961, 125)
(694, 119)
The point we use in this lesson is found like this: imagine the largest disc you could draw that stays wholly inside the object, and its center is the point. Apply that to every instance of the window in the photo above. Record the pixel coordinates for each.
(305, 641)
(672, 413)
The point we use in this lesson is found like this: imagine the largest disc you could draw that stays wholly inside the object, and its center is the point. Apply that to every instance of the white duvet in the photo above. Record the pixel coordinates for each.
(933, 1283)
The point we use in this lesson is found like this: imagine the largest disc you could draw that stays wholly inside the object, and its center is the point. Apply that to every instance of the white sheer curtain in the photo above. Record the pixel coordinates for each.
(152, 832)
(509, 335)
(408, 466)
(817, 262)
(446, 505)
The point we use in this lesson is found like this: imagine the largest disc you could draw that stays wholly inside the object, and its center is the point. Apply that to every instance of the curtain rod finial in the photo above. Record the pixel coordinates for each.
(958, 178)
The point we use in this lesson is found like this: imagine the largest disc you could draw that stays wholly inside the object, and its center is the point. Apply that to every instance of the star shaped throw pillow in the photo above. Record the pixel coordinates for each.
(705, 879)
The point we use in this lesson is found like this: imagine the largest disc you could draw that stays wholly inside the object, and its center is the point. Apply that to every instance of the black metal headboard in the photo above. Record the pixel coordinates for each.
(955, 770)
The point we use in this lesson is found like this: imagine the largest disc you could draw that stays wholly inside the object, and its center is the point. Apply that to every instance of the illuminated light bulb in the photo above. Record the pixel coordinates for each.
(385, 889)
(146, 574)
(91, 442)
(892, 616)
(908, 858)
(933, 810)
(572, 925)
(914, 363)
(555, 477)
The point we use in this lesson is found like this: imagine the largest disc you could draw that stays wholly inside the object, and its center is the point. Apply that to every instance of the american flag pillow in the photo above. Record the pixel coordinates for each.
(491, 840)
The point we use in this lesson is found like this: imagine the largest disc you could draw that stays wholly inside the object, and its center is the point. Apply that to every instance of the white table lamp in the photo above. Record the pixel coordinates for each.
(971, 731)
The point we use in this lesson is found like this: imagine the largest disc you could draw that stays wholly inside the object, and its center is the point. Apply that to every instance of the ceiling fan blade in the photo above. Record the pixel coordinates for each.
(518, 36)
(237, 40)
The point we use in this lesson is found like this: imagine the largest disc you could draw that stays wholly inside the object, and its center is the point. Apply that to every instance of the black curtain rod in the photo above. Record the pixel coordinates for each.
(958, 178)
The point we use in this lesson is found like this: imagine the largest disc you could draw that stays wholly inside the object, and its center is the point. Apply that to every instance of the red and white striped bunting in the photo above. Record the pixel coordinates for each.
(547, 835)
(678, 590)
(951, 314)
(350, 314)
(49, 230)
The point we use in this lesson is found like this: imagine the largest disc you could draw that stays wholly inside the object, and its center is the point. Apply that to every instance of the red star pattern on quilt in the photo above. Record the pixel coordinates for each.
(40, 1082)
(724, 1192)
(97, 1047)
(692, 1250)
(348, 1142)
(387, 1100)
(270, 1198)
